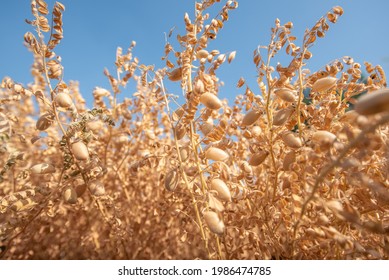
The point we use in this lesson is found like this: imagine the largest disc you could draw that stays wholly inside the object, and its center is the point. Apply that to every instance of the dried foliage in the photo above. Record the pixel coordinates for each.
(292, 172)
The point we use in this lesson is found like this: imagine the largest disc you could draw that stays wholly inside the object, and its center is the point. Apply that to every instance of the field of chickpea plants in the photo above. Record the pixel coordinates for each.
(296, 168)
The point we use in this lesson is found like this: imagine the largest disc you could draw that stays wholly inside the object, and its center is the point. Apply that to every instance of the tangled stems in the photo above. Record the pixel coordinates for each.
(384, 119)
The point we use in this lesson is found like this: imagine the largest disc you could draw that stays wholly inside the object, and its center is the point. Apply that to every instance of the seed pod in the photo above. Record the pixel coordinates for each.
(63, 100)
(175, 75)
(334, 205)
(95, 126)
(216, 154)
(99, 92)
(202, 54)
(250, 118)
(206, 128)
(215, 52)
(285, 183)
(96, 188)
(257, 158)
(231, 56)
(79, 186)
(179, 131)
(222, 189)
(288, 160)
(210, 101)
(307, 54)
(177, 114)
(18, 88)
(324, 84)
(70, 195)
(323, 137)
(191, 171)
(184, 152)
(373, 103)
(247, 134)
(256, 131)
(171, 180)
(214, 223)
(199, 87)
(127, 114)
(122, 139)
(42, 168)
(286, 94)
(80, 151)
(5, 125)
(215, 204)
(281, 116)
(349, 117)
(291, 140)
(323, 219)
(44, 122)
(338, 10)
(221, 58)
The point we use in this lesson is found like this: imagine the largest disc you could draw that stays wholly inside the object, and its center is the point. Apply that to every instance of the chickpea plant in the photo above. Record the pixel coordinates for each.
(297, 170)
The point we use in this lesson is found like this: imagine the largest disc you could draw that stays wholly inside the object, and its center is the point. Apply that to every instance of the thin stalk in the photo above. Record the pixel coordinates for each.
(269, 116)
(194, 147)
(301, 94)
(219, 249)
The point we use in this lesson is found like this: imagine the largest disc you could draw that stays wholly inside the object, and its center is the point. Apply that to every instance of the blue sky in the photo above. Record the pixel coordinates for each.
(94, 29)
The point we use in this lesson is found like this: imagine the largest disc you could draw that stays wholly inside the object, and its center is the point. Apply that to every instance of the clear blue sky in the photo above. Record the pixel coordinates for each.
(94, 29)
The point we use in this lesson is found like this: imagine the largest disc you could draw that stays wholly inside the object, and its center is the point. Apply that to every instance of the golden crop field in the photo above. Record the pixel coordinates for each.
(297, 170)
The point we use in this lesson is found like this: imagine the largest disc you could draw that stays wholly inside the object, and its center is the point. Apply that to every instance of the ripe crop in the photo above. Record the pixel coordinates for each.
(289, 172)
